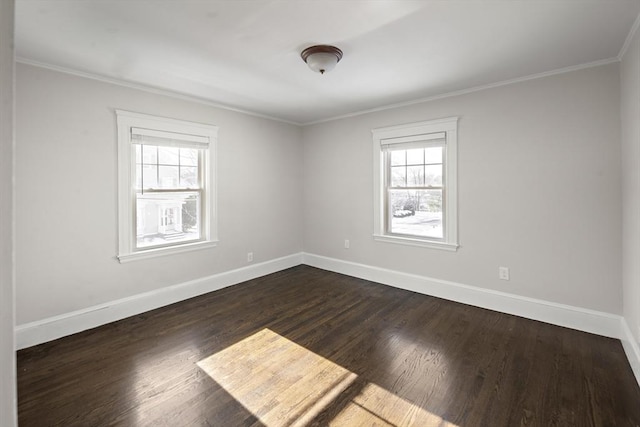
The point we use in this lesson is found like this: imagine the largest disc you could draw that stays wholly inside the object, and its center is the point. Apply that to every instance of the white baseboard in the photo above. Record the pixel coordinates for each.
(631, 348)
(582, 319)
(52, 328)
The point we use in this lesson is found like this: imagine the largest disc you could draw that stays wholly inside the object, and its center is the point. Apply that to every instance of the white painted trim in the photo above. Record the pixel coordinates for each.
(126, 121)
(631, 348)
(190, 98)
(416, 242)
(466, 91)
(170, 250)
(447, 126)
(582, 319)
(147, 88)
(627, 41)
(55, 327)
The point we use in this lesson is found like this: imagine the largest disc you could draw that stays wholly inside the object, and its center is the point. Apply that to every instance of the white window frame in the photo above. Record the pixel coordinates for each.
(127, 120)
(416, 132)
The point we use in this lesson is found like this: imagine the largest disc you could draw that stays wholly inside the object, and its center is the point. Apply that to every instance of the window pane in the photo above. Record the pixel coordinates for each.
(168, 176)
(188, 157)
(168, 155)
(188, 177)
(433, 155)
(415, 176)
(149, 154)
(167, 218)
(416, 212)
(398, 176)
(138, 177)
(137, 148)
(433, 175)
(398, 158)
(150, 176)
(415, 156)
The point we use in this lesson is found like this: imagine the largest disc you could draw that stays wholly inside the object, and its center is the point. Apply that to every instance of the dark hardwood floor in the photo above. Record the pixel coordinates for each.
(310, 347)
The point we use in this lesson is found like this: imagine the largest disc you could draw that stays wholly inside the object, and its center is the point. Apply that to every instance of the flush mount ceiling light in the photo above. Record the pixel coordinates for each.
(321, 58)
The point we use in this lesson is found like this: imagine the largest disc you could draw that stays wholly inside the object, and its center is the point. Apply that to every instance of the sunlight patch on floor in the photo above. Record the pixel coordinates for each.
(283, 384)
(278, 381)
(377, 406)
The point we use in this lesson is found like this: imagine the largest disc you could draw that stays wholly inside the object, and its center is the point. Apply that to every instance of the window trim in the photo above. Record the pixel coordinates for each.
(411, 132)
(126, 120)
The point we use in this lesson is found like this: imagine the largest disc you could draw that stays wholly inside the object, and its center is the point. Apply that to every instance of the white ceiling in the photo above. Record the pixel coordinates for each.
(246, 54)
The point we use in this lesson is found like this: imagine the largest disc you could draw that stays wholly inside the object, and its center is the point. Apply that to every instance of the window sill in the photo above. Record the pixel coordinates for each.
(153, 253)
(451, 247)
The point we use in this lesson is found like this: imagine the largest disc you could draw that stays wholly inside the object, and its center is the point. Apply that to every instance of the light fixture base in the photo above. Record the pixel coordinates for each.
(321, 58)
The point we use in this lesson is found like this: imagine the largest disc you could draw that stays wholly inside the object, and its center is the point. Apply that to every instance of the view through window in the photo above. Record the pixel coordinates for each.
(415, 191)
(168, 195)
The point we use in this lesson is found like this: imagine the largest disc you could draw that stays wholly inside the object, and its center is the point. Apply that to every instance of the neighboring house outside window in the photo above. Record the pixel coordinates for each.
(415, 182)
(166, 199)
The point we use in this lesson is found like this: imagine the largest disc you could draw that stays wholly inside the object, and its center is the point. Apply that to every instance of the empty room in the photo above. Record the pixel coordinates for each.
(310, 213)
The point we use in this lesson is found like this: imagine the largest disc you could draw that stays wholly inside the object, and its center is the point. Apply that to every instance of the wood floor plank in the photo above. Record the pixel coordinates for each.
(307, 347)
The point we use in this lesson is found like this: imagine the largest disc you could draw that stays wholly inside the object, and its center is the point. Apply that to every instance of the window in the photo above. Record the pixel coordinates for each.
(415, 184)
(166, 199)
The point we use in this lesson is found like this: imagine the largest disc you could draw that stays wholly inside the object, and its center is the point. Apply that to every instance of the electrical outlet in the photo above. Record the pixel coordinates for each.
(346, 244)
(503, 273)
(249, 256)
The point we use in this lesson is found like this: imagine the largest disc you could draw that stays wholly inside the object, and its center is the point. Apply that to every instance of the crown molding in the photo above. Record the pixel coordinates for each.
(177, 95)
(629, 38)
(469, 90)
(148, 88)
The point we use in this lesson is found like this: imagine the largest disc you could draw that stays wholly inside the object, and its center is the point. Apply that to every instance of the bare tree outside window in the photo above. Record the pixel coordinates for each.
(414, 194)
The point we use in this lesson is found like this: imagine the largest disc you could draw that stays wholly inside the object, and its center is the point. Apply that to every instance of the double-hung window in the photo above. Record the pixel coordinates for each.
(166, 198)
(415, 184)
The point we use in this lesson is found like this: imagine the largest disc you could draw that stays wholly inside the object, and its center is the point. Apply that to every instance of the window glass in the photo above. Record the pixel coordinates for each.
(416, 212)
(167, 218)
(188, 176)
(433, 155)
(169, 177)
(415, 156)
(415, 176)
(138, 177)
(168, 155)
(398, 158)
(149, 154)
(433, 175)
(163, 217)
(188, 157)
(398, 176)
(149, 176)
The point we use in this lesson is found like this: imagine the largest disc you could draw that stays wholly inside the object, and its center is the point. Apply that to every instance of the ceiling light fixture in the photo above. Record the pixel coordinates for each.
(321, 58)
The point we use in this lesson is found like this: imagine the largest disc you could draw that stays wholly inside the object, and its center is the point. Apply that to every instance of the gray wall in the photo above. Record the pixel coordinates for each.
(66, 198)
(539, 189)
(7, 354)
(630, 114)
